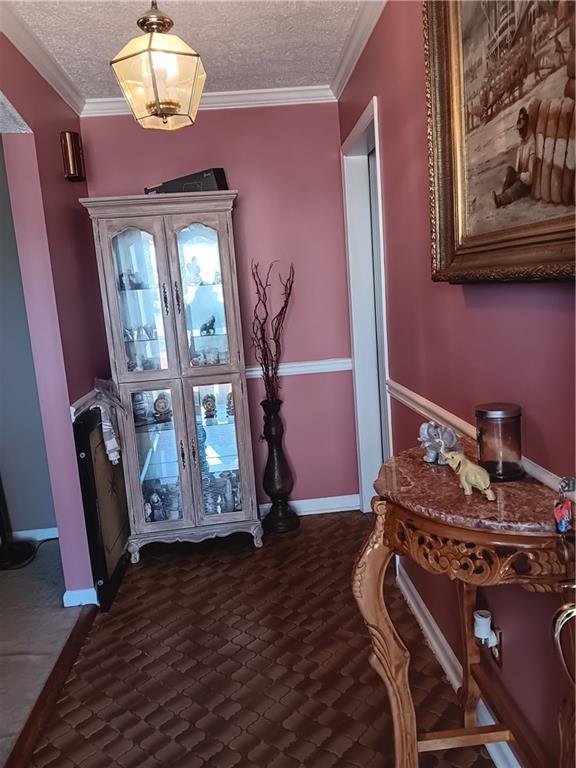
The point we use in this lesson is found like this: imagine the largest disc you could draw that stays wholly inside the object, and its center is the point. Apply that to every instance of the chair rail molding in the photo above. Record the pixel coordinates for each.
(431, 410)
(331, 365)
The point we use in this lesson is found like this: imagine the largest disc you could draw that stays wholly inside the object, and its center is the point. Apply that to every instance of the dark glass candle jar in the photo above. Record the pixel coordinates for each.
(499, 434)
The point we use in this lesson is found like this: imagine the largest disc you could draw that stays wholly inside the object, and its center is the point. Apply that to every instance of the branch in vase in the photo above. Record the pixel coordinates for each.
(267, 332)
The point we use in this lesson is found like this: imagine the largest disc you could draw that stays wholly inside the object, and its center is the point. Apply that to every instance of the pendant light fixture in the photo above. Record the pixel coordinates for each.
(161, 77)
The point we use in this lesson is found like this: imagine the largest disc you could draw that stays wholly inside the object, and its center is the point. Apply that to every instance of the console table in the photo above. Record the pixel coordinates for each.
(421, 512)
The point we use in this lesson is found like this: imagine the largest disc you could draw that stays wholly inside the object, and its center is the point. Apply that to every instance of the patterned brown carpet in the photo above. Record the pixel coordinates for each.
(218, 655)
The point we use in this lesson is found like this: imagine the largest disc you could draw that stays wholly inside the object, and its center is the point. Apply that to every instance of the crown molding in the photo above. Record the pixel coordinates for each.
(40, 58)
(355, 42)
(35, 52)
(261, 97)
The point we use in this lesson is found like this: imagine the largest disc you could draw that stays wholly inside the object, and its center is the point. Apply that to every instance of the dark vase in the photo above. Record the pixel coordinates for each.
(278, 481)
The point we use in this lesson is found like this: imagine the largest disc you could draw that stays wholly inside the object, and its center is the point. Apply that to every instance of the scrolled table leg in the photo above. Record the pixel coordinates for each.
(389, 657)
(469, 693)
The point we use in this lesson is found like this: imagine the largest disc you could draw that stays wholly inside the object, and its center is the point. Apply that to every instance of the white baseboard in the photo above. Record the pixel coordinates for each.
(320, 506)
(36, 534)
(73, 597)
(501, 754)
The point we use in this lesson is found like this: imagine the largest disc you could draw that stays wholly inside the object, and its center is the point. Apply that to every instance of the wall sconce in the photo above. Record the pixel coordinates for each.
(72, 156)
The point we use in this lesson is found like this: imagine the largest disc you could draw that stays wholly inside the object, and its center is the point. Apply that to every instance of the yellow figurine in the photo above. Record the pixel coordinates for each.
(470, 474)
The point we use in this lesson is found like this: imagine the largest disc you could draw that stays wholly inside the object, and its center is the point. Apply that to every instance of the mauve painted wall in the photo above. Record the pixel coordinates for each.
(458, 346)
(57, 263)
(69, 233)
(26, 199)
(285, 164)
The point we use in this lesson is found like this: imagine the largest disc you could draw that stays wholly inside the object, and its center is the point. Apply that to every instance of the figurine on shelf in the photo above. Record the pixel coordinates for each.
(150, 331)
(209, 405)
(217, 278)
(224, 497)
(172, 503)
(209, 327)
(470, 474)
(157, 507)
(193, 274)
(130, 347)
(230, 406)
(124, 280)
(433, 436)
(148, 515)
(135, 281)
(233, 476)
(139, 408)
(212, 357)
(198, 358)
(162, 409)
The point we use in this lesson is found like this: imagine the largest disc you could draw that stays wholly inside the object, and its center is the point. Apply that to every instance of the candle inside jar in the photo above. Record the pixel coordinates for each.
(499, 440)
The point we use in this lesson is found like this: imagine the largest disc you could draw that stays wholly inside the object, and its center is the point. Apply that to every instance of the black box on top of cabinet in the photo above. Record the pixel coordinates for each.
(210, 180)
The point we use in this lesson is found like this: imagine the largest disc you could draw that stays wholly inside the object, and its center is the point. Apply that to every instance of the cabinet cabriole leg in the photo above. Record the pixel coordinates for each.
(134, 550)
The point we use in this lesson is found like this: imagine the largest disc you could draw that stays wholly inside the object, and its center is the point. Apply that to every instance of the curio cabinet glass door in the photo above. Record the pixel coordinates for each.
(140, 299)
(157, 441)
(201, 275)
(222, 483)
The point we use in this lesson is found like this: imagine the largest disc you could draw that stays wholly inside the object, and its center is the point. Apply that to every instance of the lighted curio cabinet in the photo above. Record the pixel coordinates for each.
(169, 290)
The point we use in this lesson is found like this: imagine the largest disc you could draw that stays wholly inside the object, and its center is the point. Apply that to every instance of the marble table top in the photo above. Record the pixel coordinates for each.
(433, 491)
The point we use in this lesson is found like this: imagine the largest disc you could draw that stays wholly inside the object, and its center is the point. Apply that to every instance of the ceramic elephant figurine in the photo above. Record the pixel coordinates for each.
(470, 474)
(431, 435)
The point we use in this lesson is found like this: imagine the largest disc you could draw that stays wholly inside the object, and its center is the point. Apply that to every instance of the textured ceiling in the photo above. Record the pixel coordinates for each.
(245, 44)
(10, 120)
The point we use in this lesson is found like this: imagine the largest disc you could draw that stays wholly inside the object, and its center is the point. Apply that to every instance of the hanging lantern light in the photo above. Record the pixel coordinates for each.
(161, 77)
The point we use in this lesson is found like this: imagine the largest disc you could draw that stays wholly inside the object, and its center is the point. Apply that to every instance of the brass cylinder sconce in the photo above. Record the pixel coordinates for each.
(72, 156)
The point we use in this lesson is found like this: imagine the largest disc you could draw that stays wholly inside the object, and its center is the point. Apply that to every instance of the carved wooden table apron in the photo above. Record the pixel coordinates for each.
(421, 513)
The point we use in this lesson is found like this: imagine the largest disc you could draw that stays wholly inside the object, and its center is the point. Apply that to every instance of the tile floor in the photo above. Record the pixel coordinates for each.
(217, 655)
(33, 629)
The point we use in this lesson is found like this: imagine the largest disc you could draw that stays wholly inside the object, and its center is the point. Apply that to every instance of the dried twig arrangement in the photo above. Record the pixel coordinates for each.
(266, 330)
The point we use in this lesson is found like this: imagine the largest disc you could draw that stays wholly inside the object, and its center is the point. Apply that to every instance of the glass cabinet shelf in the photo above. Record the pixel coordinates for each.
(138, 290)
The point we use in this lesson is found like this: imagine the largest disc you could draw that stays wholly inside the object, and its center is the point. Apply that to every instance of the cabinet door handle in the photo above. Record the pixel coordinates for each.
(177, 294)
(194, 459)
(182, 455)
(165, 298)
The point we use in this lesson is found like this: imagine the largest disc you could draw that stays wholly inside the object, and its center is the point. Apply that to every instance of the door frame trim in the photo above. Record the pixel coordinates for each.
(372, 447)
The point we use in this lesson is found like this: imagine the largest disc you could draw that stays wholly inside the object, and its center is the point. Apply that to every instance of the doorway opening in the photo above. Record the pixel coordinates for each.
(367, 297)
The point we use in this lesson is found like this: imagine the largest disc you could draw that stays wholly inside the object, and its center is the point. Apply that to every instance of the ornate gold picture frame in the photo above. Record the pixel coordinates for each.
(500, 101)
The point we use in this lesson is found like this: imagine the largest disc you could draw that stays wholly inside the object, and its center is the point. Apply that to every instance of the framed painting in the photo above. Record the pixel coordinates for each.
(500, 98)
